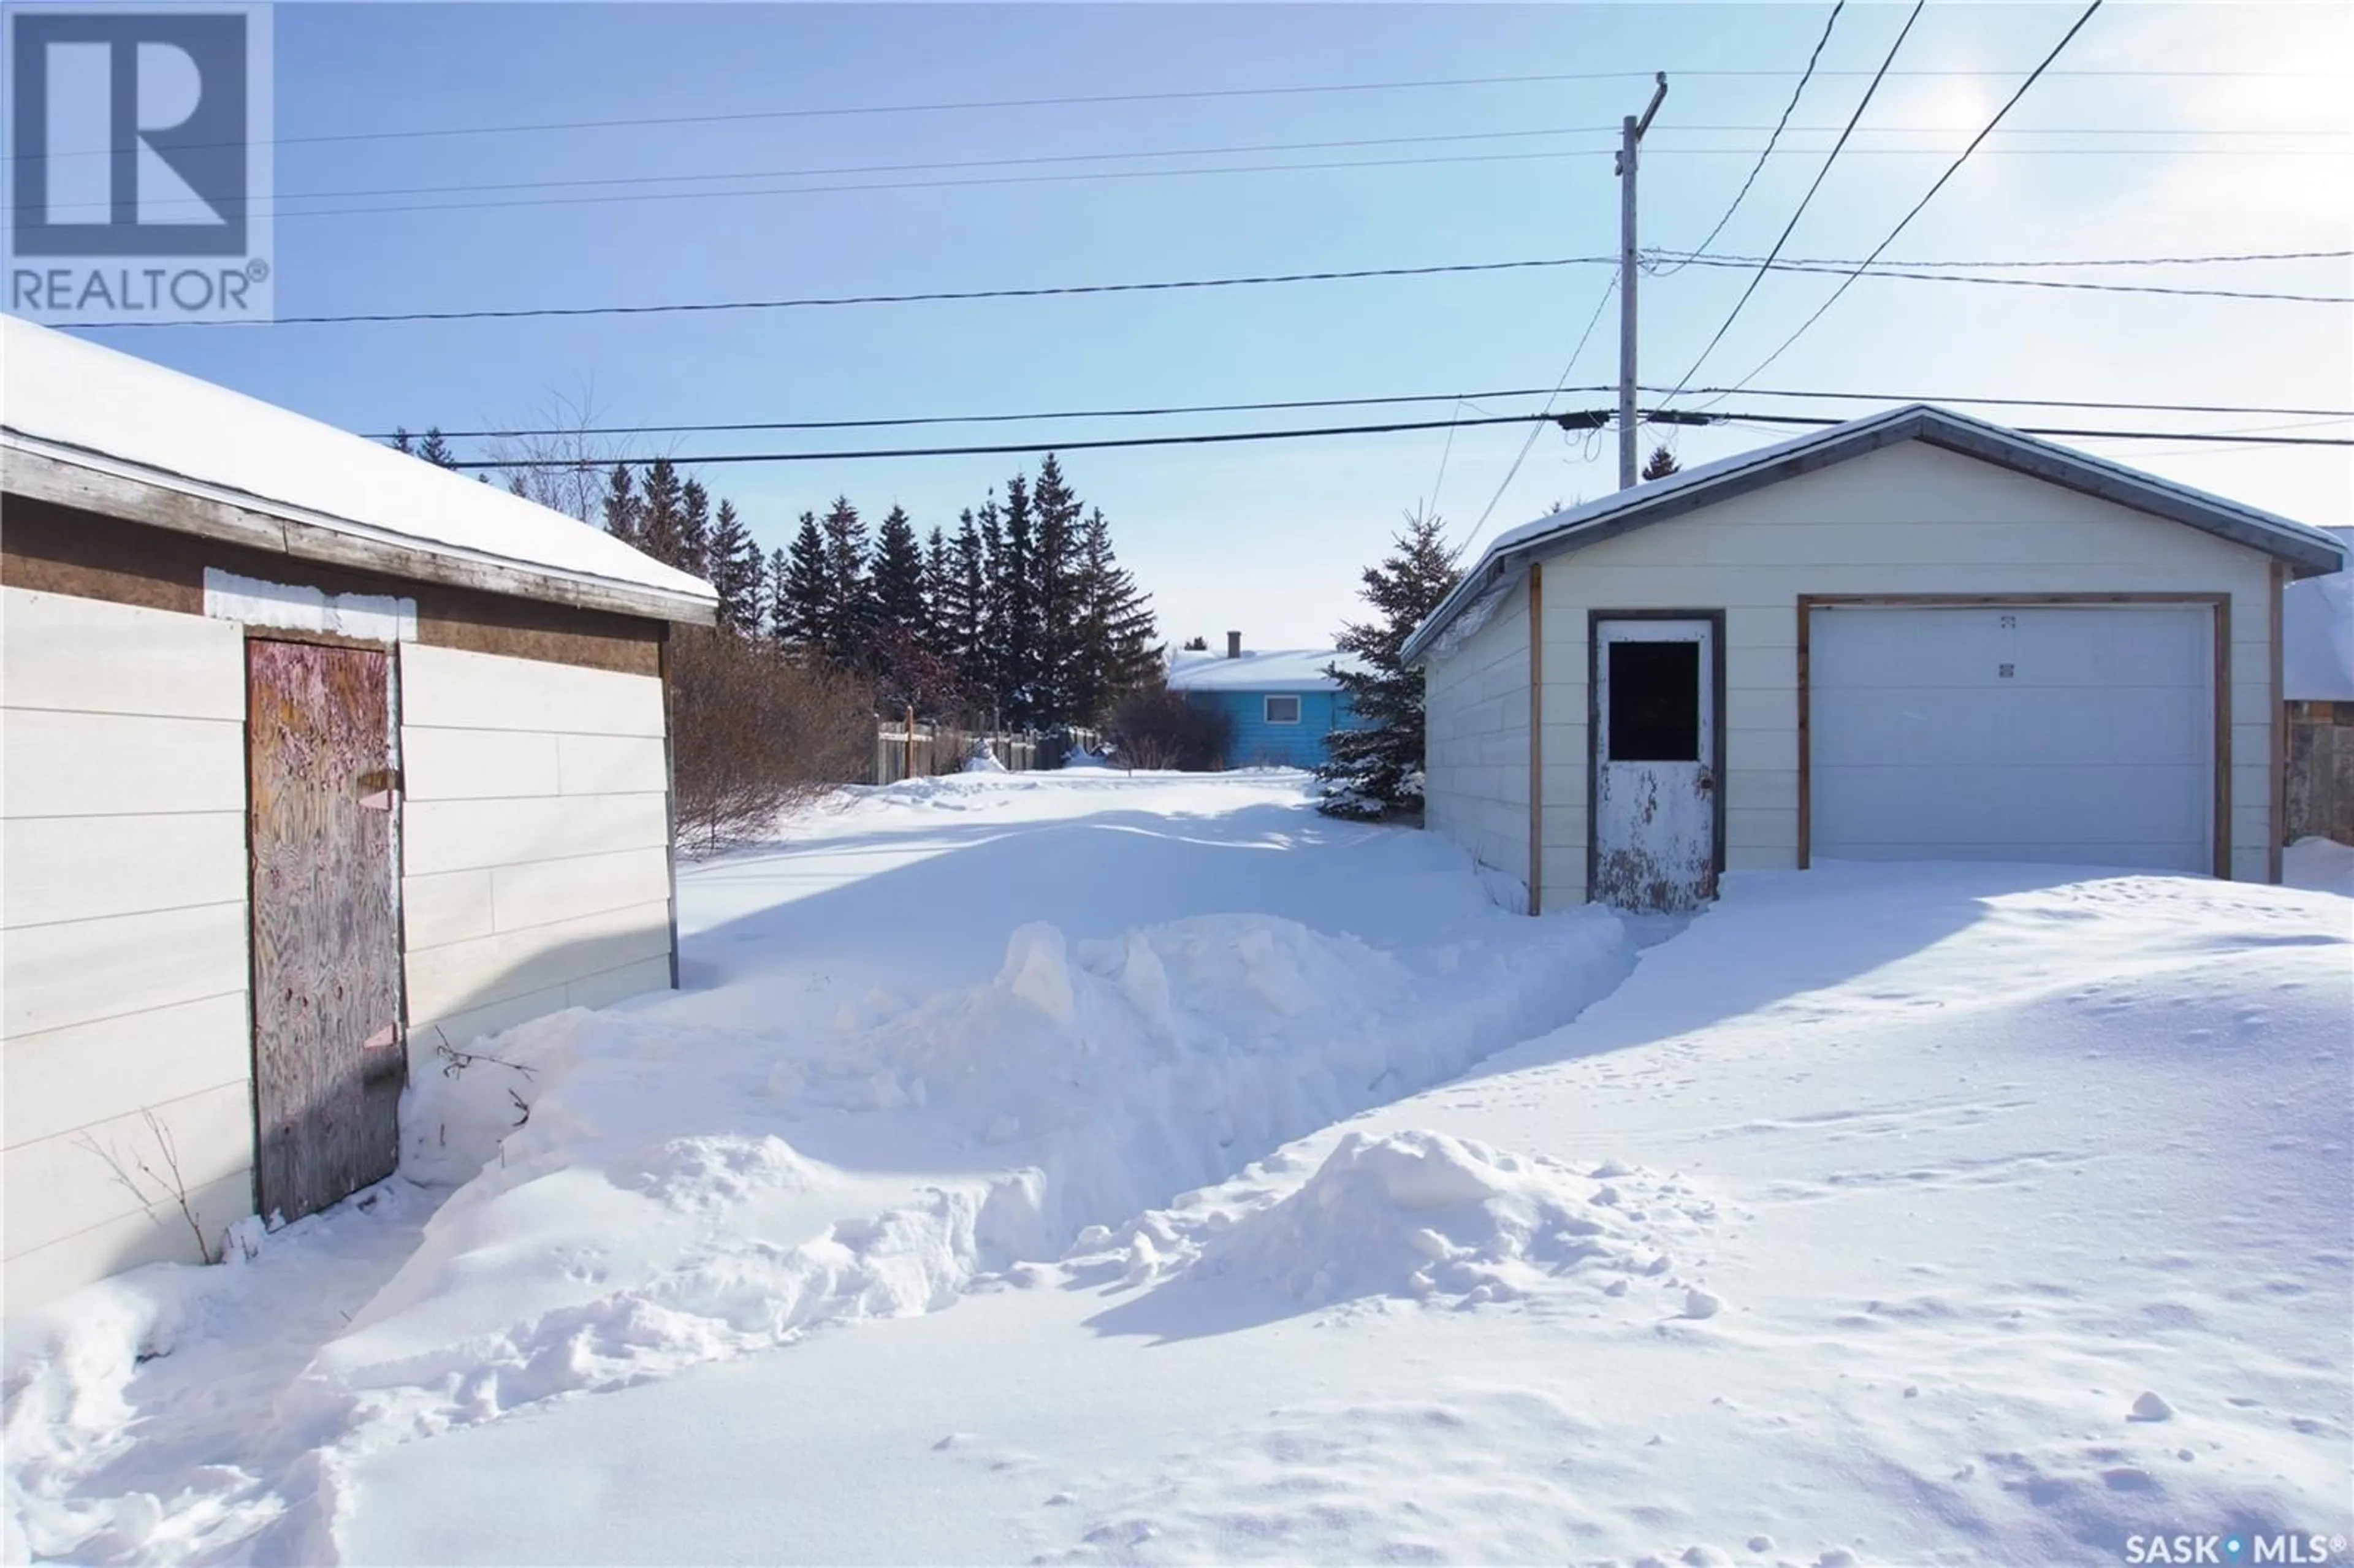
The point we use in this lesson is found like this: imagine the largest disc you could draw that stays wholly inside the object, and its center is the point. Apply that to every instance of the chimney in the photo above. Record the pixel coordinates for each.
(1234, 644)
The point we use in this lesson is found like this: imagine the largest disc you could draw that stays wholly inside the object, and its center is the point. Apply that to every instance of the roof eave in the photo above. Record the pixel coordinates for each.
(93, 481)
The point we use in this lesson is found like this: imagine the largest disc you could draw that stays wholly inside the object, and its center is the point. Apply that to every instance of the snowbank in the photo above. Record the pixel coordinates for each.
(2323, 865)
(2318, 635)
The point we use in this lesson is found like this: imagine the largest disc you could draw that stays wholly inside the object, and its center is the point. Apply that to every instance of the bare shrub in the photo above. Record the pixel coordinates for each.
(1153, 727)
(753, 730)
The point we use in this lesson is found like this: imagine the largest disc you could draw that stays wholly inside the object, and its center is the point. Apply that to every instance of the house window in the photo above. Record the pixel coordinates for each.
(1282, 710)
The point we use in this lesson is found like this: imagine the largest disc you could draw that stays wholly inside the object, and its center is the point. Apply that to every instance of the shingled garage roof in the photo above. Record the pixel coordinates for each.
(87, 427)
(2307, 550)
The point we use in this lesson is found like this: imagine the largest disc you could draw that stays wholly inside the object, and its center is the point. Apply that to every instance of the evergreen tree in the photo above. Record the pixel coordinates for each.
(624, 508)
(733, 567)
(990, 657)
(1115, 650)
(963, 610)
(1377, 769)
(1016, 591)
(849, 612)
(938, 569)
(780, 599)
(1662, 462)
(897, 584)
(435, 451)
(660, 514)
(403, 442)
(803, 588)
(1055, 513)
(694, 530)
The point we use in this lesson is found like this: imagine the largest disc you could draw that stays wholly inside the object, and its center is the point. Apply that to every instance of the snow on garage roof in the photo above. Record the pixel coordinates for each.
(2317, 636)
(1275, 670)
(82, 415)
(2305, 547)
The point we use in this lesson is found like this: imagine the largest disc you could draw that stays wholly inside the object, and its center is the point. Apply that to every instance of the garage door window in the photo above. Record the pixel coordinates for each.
(1654, 702)
(1283, 710)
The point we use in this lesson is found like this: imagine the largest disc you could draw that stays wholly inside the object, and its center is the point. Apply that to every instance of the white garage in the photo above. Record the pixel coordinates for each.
(1916, 636)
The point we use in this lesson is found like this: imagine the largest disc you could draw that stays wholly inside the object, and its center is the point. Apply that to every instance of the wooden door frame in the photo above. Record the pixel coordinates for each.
(1594, 619)
(2219, 604)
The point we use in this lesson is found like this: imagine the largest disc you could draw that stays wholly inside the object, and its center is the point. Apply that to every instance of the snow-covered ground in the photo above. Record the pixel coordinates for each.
(1090, 1167)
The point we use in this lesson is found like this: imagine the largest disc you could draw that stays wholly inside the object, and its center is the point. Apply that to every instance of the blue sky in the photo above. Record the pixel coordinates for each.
(1269, 537)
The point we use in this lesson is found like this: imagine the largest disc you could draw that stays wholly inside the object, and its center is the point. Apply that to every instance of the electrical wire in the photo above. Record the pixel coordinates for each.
(1916, 275)
(1771, 142)
(1592, 421)
(1471, 399)
(1512, 473)
(967, 105)
(1766, 266)
(522, 312)
(1952, 169)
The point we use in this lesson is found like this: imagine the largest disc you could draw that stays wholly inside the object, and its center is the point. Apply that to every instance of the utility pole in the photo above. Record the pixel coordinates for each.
(1630, 136)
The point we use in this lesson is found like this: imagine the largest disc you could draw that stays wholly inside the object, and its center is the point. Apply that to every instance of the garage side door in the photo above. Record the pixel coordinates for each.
(2078, 735)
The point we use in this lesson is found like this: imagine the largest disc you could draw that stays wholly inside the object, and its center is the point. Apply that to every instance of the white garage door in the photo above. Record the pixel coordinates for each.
(2082, 735)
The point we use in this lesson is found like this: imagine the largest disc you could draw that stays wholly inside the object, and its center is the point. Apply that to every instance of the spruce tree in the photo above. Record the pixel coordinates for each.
(1016, 591)
(1056, 527)
(1115, 650)
(989, 654)
(694, 530)
(779, 599)
(964, 605)
(804, 589)
(403, 442)
(899, 578)
(435, 451)
(1375, 770)
(848, 617)
(624, 510)
(733, 567)
(660, 514)
(938, 569)
(1661, 464)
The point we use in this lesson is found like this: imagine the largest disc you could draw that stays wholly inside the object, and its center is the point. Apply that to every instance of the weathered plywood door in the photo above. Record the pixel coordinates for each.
(1654, 738)
(328, 1060)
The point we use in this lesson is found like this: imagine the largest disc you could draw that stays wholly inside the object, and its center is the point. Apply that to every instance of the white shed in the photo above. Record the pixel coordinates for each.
(313, 758)
(1915, 636)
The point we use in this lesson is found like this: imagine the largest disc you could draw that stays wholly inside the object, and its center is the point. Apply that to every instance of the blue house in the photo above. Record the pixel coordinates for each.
(1282, 702)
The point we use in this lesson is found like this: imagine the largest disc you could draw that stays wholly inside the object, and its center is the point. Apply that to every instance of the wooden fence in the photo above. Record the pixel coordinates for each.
(919, 750)
(2320, 770)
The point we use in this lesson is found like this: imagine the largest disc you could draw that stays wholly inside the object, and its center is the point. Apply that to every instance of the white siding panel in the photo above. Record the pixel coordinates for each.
(466, 976)
(448, 688)
(61, 1185)
(548, 891)
(148, 1235)
(88, 655)
(460, 835)
(61, 764)
(613, 765)
(83, 971)
(452, 907)
(476, 764)
(69, 1079)
(83, 868)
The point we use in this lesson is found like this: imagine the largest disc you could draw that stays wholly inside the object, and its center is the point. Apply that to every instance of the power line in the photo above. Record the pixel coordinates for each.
(1586, 420)
(1771, 142)
(1951, 169)
(1910, 273)
(1984, 263)
(1820, 175)
(1534, 430)
(1069, 177)
(1916, 276)
(967, 105)
(1228, 150)
(1291, 405)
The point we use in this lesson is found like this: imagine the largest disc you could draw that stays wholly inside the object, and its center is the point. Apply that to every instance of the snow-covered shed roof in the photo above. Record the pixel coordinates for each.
(87, 426)
(2306, 549)
(1273, 670)
(2317, 636)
